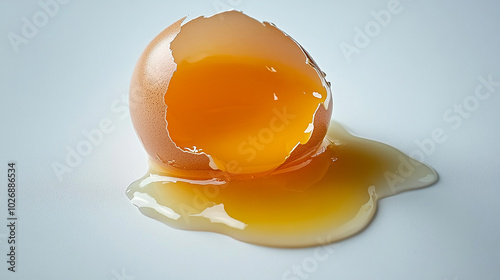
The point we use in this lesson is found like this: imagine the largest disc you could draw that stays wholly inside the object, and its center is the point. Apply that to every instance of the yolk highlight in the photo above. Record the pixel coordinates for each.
(247, 114)
(332, 197)
(242, 97)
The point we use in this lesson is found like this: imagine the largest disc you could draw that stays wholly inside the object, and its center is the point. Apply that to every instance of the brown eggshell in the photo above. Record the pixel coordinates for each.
(231, 33)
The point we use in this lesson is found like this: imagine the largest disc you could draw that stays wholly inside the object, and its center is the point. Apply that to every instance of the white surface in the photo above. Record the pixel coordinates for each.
(73, 73)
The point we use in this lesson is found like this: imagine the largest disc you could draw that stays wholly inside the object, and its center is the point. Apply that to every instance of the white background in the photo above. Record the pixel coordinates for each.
(74, 72)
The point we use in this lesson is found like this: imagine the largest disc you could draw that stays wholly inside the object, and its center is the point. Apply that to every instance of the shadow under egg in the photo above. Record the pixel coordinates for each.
(333, 196)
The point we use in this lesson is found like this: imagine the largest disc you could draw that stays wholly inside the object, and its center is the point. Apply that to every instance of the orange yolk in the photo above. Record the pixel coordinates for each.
(247, 114)
(331, 197)
(241, 97)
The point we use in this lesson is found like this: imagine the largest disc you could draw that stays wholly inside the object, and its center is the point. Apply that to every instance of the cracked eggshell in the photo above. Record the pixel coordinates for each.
(232, 33)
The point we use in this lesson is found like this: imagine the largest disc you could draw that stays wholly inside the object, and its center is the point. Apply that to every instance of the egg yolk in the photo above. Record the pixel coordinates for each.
(331, 196)
(244, 97)
(247, 114)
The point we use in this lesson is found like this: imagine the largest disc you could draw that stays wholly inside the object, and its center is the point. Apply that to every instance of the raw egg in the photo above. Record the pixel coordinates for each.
(235, 117)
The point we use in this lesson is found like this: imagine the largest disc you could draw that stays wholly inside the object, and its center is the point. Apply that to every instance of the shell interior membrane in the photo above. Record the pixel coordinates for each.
(234, 115)
(228, 96)
(243, 93)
